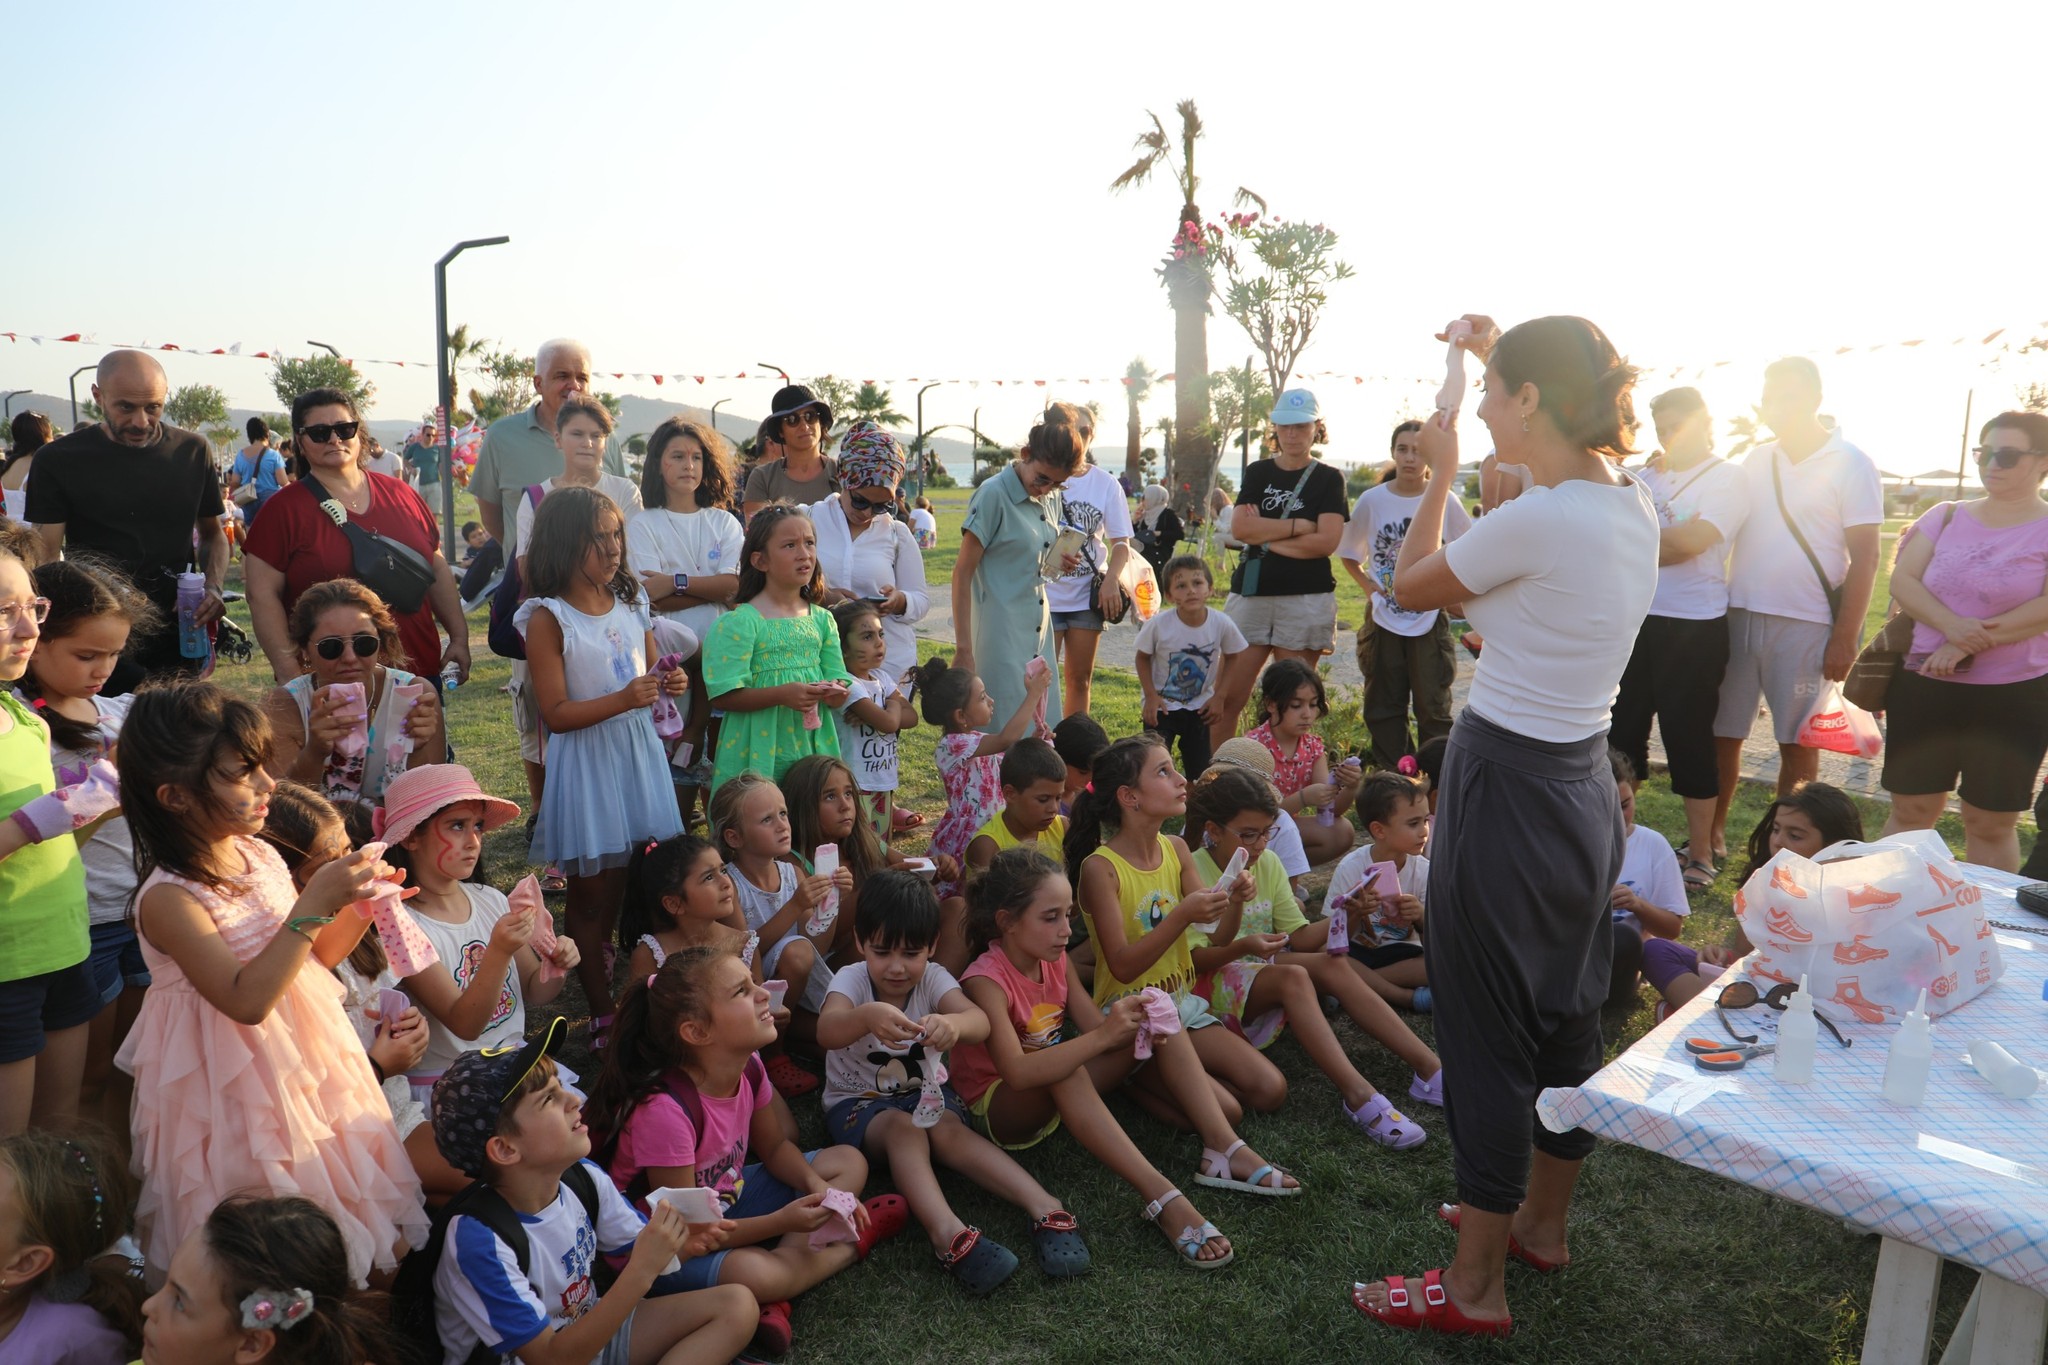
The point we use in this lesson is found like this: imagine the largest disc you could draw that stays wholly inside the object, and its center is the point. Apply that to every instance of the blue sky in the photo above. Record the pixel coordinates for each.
(895, 190)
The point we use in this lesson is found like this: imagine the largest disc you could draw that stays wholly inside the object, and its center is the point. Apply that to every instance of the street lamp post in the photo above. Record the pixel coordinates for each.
(445, 386)
(327, 347)
(923, 457)
(764, 365)
(7, 404)
(82, 369)
(714, 414)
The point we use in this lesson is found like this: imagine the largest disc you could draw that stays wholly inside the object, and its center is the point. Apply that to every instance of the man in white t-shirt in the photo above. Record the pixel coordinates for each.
(1785, 636)
(1674, 675)
(1401, 653)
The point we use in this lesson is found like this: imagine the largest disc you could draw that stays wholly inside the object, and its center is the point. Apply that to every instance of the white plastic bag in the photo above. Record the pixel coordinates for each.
(1870, 925)
(1840, 726)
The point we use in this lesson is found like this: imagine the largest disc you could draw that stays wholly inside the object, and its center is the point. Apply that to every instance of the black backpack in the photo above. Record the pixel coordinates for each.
(412, 1292)
(503, 637)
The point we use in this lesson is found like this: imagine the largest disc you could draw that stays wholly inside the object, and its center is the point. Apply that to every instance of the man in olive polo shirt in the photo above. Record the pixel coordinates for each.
(519, 448)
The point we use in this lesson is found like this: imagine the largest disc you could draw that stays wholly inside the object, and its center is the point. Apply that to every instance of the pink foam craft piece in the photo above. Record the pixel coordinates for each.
(398, 745)
(356, 712)
(1033, 671)
(1162, 1018)
(527, 896)
(931, 1099)
(1451, 396)
(839, 1227)
(404, 943)
(73, 807)
(668, 717)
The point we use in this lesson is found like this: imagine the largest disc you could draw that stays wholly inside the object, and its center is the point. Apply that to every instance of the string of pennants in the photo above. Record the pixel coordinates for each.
(2003, 340)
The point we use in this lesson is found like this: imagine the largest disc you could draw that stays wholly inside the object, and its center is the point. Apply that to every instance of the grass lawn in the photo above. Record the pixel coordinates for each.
(1669, 1263)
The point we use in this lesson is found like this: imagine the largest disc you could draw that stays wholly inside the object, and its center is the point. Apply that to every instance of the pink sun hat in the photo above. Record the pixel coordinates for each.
(417, 793)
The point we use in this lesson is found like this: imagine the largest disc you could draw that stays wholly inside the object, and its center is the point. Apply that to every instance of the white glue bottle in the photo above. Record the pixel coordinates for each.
(824, 862)
(1798, 1037)
(1905, 1068)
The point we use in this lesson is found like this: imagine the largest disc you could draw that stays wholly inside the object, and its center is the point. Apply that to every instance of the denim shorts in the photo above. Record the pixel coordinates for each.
(848, 1120)
(760, 1195)
(116, 960)
(1086, 619)
(50, 1002)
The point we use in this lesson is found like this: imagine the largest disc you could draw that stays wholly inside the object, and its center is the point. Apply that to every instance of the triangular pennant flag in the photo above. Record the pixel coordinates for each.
(75, 336)
(698, 377)
(657, 379)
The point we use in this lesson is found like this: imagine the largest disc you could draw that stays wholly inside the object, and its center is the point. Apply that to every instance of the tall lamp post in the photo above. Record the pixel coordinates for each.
(326, 346)
(7, 404)
(714, 414)
(82, 369)
(445, 386)
(764, 365)
(923, 457)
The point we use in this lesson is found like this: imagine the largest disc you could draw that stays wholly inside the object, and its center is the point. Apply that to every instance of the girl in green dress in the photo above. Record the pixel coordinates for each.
(774, 660)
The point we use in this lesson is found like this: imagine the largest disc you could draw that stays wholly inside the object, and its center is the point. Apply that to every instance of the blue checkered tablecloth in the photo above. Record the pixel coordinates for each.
(1964, 1174)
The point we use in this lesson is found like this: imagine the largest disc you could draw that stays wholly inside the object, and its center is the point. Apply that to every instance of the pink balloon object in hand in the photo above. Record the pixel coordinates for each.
(355, 712)
(839, 1227)
(1451, 396)
(1162, 1017)
(527, 895)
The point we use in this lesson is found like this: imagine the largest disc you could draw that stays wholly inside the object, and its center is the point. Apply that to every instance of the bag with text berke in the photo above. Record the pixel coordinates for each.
(1870, 925)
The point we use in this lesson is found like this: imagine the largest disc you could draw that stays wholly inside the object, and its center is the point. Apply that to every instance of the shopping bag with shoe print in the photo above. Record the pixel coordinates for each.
(1870, 925)
(1840, 726)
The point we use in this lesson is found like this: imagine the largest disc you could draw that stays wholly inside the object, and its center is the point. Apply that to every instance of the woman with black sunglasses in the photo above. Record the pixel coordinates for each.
(295, 543)
(341, 632)
(865, 551)
(1970, 699)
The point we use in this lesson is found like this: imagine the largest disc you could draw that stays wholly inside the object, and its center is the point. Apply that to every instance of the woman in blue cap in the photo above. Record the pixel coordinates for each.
(1290, 515)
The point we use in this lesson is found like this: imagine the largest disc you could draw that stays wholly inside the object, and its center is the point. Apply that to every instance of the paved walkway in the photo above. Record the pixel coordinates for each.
(1759, 751)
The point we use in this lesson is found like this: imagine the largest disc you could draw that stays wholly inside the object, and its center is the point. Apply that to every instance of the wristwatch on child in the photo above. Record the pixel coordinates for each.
(682, 584)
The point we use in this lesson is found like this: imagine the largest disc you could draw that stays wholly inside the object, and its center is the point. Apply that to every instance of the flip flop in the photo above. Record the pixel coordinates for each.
(1436, 1312)
(1215, 1174)
(1450, 1213)
(907, 819)
(1699, 876)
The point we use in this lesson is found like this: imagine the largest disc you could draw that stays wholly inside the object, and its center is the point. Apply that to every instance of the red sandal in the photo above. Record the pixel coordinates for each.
(1436, 1312)
(1450, 1214)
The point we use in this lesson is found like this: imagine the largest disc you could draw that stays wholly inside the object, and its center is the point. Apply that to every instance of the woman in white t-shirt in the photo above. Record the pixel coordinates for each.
(1093, 504)
(686, 548)
(1674, 675)
(1528, 842)
(864, 551)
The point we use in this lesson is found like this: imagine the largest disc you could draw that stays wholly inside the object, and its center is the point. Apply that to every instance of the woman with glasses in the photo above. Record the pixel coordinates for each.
(865, 551)
(1001, 620)
(802, 474)
(341, 632)
(1970, 699)
(296, 544)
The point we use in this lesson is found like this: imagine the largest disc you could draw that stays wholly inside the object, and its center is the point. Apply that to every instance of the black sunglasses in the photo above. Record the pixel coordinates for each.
(323, 432)
(873, 508)
(329, 648)
(1740, 995)
(2002, 459)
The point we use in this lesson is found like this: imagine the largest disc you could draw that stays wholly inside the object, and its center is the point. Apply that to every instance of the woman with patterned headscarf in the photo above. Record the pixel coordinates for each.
(864, 550)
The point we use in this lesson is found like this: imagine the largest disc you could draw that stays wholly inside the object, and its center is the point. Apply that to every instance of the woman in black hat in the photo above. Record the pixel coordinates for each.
(804, 474)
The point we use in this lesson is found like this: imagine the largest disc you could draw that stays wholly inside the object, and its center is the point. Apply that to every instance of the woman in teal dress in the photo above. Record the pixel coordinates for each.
(773, 662)
(1000, 618)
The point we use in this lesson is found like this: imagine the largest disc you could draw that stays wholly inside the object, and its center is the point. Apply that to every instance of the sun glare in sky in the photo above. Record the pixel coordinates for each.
(891, 191)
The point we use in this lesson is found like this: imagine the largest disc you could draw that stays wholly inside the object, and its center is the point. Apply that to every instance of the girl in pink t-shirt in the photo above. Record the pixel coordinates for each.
(686, 1100)
(1025, 1081)
(969, 760)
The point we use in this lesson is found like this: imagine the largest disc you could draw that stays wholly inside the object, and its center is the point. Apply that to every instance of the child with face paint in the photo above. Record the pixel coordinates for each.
(434, 819)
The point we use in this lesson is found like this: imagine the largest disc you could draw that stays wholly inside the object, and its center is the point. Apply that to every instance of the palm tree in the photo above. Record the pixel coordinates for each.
(1187, 288)
(1746, 432)
(464, 349)
(872, 404)
(1138, 377)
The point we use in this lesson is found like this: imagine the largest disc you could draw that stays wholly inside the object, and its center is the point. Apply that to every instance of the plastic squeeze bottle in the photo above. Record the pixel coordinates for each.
(825, 862)
(1798, 1037)
(1905, 1068)
(1338, 944)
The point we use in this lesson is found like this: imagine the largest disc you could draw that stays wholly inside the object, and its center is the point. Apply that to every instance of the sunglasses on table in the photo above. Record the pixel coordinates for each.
(1741, 995)
(322, 432)
(2001, 459)
(331, 646)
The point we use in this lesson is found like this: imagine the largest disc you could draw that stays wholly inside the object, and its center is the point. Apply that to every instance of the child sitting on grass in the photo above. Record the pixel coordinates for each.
(1078, 740)
(1386, 947)
(887, 1022)
(504, 1118)
(1033, 780)
(1649, 902)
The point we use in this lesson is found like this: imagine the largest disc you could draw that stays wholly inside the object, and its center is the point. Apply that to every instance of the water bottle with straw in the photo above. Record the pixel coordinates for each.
(192, 641)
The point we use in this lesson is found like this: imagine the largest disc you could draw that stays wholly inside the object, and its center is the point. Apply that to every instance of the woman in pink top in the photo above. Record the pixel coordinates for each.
(1971, 698)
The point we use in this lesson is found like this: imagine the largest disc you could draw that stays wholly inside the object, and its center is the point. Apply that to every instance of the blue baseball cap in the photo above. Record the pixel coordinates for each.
(1295, 407)
(471, 1095)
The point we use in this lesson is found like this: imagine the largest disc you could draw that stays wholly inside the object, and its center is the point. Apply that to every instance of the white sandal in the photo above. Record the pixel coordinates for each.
(1266, 1180)
(1190, 1240)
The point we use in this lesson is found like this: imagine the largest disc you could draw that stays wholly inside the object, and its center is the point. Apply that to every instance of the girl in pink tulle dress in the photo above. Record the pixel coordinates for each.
(248, 1075)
